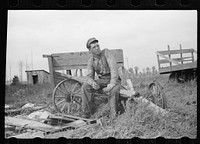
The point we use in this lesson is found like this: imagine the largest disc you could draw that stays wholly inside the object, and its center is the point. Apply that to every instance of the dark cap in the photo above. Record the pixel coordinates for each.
(91, 40)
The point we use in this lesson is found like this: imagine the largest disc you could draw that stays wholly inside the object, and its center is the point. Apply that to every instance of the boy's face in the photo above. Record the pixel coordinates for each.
(95, 48)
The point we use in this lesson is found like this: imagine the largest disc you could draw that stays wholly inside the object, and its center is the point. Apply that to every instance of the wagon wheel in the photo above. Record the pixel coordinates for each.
(67, 97)
(158, 96)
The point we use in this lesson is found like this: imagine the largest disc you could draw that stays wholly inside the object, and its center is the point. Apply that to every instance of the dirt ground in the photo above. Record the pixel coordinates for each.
(137, 120)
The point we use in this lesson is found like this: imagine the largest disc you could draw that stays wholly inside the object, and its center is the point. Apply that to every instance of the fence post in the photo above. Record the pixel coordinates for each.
(192, 56)
(81, 72)
(69, 72)
(51, 71)
(158, 61)
(181, 54)
(169, 55)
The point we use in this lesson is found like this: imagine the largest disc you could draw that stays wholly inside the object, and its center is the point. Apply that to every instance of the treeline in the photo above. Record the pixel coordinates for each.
(144, 73)
(22, 66)
(132, 73)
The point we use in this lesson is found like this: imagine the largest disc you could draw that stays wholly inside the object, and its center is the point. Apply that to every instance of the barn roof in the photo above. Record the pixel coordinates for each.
(36, 70)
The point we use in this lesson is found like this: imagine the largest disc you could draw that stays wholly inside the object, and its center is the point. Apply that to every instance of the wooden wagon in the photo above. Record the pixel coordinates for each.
(181, 64)
(67, 86)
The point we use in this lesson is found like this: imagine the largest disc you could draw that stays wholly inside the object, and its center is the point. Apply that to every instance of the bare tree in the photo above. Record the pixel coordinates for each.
(148, 70)
(140, 74)
(144, 71)
(136, 70)
(154, 70)
(21, 70)
(131, 70)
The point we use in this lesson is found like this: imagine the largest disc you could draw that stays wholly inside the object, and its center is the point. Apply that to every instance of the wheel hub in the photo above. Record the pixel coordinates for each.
(68, 98)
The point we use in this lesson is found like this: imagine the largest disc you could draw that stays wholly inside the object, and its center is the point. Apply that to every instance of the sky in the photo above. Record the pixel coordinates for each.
(140, 33)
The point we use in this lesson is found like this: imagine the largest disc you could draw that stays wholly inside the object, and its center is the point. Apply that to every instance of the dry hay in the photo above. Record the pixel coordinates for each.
(138, 121)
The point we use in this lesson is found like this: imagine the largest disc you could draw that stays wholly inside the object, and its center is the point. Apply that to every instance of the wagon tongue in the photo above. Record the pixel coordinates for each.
(89, 121)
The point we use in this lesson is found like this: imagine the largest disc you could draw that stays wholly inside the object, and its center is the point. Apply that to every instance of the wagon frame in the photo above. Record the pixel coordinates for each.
(66, 87)
(181, 68)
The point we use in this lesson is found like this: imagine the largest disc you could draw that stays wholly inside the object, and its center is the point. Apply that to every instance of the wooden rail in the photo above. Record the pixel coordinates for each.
(176, 64)
(170, 52)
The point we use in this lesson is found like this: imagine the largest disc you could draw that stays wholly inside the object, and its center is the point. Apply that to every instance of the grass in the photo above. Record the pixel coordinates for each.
(20, 94)
(137, 120)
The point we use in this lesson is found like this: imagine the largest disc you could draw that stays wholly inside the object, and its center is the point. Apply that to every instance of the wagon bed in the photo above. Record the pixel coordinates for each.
(176, 64)
(74, 61)
(67, 95)
(182, 67)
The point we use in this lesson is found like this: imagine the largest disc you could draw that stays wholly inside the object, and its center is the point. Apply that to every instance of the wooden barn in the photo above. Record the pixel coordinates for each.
(37, 76)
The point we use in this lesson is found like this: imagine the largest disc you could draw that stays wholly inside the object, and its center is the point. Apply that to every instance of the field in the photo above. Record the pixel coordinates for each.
(137, 120)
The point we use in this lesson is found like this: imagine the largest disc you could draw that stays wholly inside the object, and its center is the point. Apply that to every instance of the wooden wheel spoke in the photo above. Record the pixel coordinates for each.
(60, 102)
(67, 87)
(61, 91)
(70, 86)
(78, 94)
(74, 87)
(68, 108)
(63, 107)
(60, 97)
(77, 91)
(62, 86)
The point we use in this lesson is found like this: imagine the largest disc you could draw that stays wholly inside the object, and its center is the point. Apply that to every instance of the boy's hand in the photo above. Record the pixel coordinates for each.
(108, 88)
(95, 86)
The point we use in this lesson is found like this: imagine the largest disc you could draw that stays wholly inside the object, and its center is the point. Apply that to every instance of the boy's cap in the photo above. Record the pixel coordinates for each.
(91, 40)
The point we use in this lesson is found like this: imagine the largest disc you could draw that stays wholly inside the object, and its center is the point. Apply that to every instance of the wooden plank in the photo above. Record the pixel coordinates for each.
(75, 124)
(46, 56)
(29, 124)
(29, 135)
(80, 66)
(168, 58)
(58, 77)
(127, 93)
(51, 72)
(82, 79)
(129, 84)
(72, 125)
(162, 61)
(158, 61)
(74, 59)
(176, 51)
(181, 54)
(74, 117)
(70, 67)
(59, 118)
(192, 54)
(186, 66)
(31, 109)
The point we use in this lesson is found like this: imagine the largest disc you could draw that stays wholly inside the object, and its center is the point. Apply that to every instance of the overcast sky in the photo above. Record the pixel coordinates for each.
(30, 34)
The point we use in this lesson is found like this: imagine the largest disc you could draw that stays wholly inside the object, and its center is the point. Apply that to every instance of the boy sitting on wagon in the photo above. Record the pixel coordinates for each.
(103, 63)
